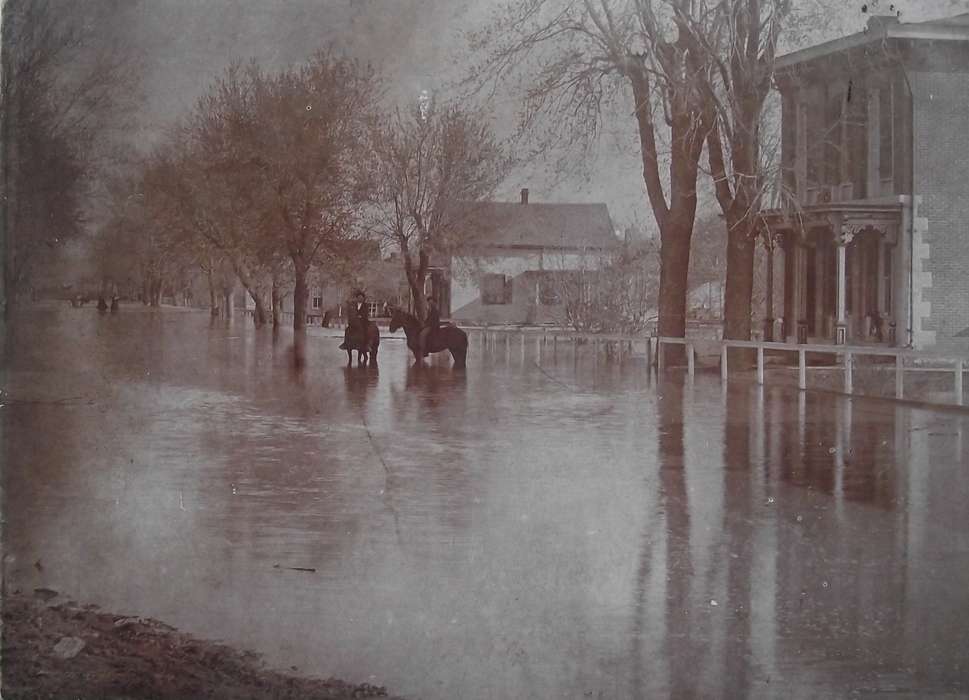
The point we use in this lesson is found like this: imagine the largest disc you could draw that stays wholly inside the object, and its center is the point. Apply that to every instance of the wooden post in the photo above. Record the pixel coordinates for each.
(690, 364)
(899, 377)
(659, 354)
(958, 382)
(523, 347)
(840, 337)
(649, 355)
(849, 380)
(723, 363)
(801, 369)
(760, 364)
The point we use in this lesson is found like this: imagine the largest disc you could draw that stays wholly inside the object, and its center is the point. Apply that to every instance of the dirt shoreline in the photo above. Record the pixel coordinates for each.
(54, 648)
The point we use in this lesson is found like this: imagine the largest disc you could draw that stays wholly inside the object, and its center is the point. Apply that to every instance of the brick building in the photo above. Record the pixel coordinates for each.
(872, 239)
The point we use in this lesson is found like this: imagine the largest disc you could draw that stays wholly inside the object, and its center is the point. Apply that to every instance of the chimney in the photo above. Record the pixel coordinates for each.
(524, 195)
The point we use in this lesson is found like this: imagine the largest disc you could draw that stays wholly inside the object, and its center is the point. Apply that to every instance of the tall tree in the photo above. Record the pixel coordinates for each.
(589, 59)
(742, 44)
(299, 144)
(427, 168)
(62, 89)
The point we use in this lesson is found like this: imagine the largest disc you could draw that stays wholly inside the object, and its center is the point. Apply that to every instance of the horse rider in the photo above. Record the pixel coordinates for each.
(432, 321)
(358, 318)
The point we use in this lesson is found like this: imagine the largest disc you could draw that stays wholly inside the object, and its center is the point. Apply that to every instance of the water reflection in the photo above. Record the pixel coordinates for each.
(513, 530)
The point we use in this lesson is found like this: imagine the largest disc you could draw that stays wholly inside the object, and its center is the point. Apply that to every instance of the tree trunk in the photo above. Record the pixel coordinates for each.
(213, 301)
(276, 301)
(741, 248)
(416, 276)
(300, 294)
(259, 313)
(674, 268)
(227, 302)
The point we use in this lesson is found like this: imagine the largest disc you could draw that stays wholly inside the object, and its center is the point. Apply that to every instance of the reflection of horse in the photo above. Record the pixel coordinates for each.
(360, 382)
(448, 337)
(365, 343)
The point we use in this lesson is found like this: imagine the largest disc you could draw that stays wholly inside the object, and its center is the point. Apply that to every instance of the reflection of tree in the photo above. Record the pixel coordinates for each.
(739, 529)
(681, 651)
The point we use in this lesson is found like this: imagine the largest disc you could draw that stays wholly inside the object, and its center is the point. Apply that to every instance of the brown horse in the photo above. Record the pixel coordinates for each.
(366, 344)
(449, 337)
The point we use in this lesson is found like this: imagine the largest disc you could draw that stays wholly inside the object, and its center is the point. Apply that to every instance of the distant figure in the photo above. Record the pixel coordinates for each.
(102, 304)
(432, 321)
(327, 315)
(114, 304)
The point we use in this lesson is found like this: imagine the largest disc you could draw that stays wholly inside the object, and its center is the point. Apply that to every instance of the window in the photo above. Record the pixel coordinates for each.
(886, 135)
(814, 136)
(372, 309)
(548, 290)
(317, 302)
(887, 272)
(496, 289)
(833, 138)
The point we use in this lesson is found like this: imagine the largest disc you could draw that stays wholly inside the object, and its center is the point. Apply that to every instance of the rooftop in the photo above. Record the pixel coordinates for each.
(529, 225)
(880, 28)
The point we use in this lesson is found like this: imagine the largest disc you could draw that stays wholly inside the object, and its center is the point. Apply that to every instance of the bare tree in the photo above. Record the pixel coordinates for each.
(61, 92)
(299, 146)
(427, 168)
(614, 293)
(742, 45)
(638, 56)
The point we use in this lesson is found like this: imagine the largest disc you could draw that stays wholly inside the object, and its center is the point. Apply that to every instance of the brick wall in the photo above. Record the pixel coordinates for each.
(941, 186)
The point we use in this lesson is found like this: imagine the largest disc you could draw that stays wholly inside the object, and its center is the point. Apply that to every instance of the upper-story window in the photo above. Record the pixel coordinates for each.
(886, 132)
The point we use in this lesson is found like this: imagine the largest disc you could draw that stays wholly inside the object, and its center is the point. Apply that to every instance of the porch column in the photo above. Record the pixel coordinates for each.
(842, 241)
(769, 319)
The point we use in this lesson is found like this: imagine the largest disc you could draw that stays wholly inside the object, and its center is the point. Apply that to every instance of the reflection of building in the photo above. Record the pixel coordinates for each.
(519, 251)
(874, 231)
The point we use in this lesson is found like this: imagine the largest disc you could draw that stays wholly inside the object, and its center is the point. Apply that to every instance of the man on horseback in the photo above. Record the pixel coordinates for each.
(432, 321)
(358, 319)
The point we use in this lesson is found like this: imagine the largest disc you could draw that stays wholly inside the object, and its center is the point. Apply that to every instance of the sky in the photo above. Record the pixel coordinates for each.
(417, 44)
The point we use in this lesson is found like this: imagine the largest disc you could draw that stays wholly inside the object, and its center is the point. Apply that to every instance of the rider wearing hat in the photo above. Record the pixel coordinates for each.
(358, 317)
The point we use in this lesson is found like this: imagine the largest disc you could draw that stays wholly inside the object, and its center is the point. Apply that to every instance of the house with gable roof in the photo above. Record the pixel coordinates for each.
(517, 253)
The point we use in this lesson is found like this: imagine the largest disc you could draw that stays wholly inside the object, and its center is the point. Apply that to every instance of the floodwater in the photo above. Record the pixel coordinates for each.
(537, 526)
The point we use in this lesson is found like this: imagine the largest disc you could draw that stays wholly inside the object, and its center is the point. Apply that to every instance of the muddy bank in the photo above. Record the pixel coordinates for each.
(55, 649)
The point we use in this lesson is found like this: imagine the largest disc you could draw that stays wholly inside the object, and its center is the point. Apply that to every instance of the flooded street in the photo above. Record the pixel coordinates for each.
(537, 526)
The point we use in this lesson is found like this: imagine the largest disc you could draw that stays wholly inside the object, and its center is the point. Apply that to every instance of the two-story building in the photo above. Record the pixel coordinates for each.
(516, 262)
(874, 224)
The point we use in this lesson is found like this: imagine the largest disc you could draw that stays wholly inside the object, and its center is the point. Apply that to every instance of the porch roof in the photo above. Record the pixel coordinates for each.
(839, 216)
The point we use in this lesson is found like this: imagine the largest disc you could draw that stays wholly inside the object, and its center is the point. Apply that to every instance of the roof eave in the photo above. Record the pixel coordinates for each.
(899, 31)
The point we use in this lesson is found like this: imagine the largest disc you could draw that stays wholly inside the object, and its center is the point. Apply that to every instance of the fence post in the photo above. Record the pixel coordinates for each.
(958, 382)
(760, 364)
(649, 354)
(690, 362)
(899, 377)
(849, 380)
(659, 354)
(723, 363)
(801, 369)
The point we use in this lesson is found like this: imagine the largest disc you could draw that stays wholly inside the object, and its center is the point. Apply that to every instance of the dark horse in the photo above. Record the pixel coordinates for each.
(366, 344)
(448, 337)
